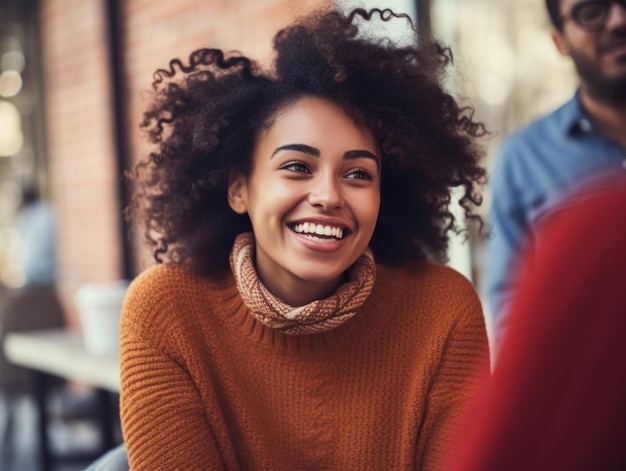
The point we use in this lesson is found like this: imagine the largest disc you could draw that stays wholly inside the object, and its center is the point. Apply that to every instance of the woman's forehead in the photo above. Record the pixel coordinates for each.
(316, 119)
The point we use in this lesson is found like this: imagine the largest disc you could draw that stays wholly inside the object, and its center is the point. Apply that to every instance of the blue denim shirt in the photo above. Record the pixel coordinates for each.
(535, 169)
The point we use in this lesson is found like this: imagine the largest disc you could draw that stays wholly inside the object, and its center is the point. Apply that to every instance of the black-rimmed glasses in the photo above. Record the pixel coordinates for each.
(592, 15)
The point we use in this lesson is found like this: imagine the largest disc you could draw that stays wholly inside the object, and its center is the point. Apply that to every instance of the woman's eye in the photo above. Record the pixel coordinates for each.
(359, 174)
(295, 166)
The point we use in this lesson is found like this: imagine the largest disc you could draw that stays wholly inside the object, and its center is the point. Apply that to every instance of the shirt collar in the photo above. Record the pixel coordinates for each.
(576, 121)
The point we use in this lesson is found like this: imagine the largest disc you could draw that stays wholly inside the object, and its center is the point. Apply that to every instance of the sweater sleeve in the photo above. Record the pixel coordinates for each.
(162, 415)
(463, 367)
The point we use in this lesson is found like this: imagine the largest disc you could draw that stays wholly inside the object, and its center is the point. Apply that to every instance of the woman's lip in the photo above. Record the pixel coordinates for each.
(318, 244)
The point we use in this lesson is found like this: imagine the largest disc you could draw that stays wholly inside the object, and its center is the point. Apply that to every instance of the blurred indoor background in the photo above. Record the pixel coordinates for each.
(73, 77)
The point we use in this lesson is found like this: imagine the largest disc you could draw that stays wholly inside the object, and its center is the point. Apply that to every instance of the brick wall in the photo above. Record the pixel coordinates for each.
(82, 164)
(80, 146)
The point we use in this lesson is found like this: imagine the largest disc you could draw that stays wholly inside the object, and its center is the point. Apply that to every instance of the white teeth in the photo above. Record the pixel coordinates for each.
(318, 229)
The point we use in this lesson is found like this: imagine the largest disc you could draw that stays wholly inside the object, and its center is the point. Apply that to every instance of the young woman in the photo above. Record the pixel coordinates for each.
(300, 320)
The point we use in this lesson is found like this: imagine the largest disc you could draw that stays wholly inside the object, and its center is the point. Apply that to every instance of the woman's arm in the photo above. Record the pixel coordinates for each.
(164, 422)
(463, 368)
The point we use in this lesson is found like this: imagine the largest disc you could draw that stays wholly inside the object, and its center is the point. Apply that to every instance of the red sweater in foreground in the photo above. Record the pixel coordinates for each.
(558, 396)
(205, 386)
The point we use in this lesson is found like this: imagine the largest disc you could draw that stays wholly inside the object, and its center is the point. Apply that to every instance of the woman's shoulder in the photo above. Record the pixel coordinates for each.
(425, 275)
(428, 284)
(175, 277)
(163, 273)
(163, 286)
(433, 298)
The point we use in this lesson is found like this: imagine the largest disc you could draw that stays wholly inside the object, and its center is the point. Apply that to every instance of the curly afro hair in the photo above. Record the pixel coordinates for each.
(206, 114)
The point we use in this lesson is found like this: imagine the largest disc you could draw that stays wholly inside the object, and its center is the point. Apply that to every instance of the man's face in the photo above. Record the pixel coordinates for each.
(599, 56)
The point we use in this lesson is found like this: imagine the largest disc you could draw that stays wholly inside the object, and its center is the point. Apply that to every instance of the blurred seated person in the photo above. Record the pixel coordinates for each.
(33, 302)
(35, 227)
(556, 399)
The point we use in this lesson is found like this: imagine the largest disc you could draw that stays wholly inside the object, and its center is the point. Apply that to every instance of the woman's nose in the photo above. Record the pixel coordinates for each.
(326, 193)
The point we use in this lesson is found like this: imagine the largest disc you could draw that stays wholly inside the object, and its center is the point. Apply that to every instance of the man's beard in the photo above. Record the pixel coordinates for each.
(605, 89)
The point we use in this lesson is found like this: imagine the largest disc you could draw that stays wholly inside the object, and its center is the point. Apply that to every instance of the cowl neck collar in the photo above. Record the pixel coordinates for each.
(317, 316)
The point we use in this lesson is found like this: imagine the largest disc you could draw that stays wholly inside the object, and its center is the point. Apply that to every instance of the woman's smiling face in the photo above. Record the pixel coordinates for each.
(313, 198)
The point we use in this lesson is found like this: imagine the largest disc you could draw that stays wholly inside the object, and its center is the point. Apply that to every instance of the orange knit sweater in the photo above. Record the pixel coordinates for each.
(205, 386)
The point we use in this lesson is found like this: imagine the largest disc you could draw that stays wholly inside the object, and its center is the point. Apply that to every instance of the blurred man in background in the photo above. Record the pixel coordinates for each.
(537, 167)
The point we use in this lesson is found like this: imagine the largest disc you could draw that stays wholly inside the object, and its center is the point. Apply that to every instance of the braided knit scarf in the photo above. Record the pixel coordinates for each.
(317, 316)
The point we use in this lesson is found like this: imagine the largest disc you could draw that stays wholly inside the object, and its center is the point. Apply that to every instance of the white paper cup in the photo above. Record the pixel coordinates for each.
(99, 307)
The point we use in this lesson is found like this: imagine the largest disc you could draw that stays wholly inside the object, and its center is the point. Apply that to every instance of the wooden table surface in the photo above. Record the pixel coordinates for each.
(62, 353)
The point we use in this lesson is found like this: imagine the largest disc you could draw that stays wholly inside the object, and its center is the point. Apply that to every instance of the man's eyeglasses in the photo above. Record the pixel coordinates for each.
(593, 14)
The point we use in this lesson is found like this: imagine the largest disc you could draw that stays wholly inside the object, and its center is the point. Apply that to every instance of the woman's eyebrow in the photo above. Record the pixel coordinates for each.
(356, 154)
(299, 148)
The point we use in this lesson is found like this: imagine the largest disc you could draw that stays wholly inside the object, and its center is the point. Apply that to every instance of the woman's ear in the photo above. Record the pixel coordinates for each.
(237, 192)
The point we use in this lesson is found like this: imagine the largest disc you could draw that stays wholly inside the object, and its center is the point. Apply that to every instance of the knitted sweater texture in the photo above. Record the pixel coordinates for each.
(206, 386)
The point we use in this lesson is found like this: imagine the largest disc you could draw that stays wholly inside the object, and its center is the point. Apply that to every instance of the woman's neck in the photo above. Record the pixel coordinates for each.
(296, 292)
